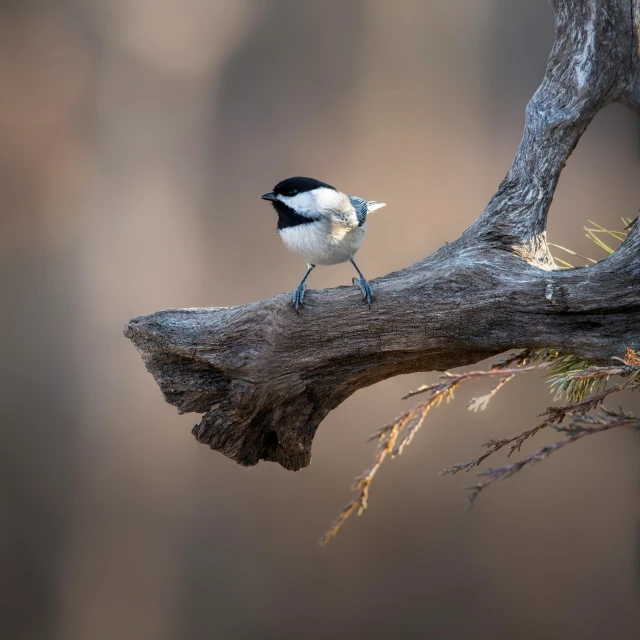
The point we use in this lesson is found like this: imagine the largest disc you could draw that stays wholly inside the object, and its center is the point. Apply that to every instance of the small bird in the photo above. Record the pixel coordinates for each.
(321, 225)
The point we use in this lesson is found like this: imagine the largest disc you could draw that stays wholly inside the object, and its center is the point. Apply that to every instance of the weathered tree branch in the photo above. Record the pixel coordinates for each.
(265, 378)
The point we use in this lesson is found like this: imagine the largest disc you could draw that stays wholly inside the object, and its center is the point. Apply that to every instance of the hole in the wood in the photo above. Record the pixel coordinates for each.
(270, 444)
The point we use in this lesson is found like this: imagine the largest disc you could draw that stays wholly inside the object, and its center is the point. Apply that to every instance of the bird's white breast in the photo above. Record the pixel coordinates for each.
(322, 242)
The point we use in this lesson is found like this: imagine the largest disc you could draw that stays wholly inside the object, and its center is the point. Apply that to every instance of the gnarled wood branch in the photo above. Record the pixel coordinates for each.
(265, 378)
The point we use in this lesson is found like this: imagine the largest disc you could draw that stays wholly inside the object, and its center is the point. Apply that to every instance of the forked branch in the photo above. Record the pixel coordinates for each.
(265, 378)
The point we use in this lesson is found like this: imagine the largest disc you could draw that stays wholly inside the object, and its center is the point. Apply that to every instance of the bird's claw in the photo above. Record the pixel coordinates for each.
(367, 291)
(298, 297)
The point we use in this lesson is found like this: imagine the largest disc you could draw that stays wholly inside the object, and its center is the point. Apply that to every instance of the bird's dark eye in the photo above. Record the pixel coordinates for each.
(292, 192)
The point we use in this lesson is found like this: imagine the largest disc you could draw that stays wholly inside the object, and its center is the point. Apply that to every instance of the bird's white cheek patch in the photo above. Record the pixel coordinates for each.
(301, 203)
(313, 203)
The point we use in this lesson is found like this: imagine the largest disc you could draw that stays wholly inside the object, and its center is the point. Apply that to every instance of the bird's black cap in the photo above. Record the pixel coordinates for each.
(299, 184)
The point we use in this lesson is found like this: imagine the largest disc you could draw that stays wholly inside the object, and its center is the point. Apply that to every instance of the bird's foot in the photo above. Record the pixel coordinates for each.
(298, 297)
(367, 291)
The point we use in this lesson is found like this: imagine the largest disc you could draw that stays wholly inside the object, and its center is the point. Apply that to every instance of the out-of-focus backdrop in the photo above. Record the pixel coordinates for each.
(135, 141)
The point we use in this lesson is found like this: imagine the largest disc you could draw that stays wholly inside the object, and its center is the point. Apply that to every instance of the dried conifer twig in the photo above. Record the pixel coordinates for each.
(579, 427)
(570, 376)
(394, 437)
(555, 415)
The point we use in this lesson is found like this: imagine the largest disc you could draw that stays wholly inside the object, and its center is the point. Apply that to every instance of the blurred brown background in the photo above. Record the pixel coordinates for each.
(135, 140)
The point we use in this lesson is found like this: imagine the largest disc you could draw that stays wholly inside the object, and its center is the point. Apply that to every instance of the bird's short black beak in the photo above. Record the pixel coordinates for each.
(269, 196)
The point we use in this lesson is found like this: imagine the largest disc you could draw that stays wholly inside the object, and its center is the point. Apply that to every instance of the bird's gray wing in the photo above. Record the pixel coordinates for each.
(361, 209)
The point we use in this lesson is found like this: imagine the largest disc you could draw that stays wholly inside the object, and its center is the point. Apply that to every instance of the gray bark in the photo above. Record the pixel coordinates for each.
(265, 378)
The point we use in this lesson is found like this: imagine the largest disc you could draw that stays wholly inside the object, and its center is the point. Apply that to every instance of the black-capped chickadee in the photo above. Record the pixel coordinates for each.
(322, 226)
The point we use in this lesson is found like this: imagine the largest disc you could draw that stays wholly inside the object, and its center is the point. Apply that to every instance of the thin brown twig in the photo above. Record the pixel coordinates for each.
(393, 438)
(456, 379)
(481, 402)
(554, 415)
(519, 358)
(386, 441)
(580, 426)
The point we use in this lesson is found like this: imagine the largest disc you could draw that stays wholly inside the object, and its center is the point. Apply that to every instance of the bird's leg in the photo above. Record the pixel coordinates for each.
(365, 287)
(298, 294)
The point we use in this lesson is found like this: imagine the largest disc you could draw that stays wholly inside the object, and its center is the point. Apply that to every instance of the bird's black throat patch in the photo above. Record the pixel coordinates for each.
(287, 217)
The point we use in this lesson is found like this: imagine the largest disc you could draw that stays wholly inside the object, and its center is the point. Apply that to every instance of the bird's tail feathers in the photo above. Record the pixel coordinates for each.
(372, 205)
